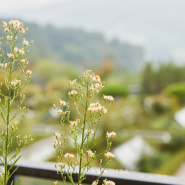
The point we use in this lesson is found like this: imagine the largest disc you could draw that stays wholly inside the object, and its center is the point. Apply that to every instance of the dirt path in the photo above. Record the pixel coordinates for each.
(181, 171)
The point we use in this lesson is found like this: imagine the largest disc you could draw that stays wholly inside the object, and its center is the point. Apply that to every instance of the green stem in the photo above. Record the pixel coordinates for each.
(7, 131)
(103, 170)
(81, 148)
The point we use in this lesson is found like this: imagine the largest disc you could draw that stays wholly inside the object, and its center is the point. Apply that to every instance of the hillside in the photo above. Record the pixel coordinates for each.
(79, 47)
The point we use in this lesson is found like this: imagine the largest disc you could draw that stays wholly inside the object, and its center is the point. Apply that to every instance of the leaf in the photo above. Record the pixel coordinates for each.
(14, 162)
(1, 161)
(18, 182)
(15, 154)
(13, 171)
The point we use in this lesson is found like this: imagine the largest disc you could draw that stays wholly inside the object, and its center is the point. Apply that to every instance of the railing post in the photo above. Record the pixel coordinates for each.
(48, 171)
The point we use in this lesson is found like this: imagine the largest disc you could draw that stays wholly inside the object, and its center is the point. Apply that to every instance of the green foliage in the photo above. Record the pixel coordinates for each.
(177, 142)
(150, 163)
(154, 80)
(169, 159)
(46, 70)
(115, 90)
(172, 165)
(12, 67)
(177, 90)
(159, 103)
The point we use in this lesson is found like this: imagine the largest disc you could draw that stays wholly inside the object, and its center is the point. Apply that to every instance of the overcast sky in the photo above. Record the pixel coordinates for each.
(158, 25)
(14, 4)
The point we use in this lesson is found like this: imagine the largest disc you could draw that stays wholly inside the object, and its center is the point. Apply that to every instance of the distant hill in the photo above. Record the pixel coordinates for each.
(77, 46)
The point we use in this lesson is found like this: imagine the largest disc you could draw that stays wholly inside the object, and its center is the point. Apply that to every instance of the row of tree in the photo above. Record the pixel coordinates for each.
(155, 80)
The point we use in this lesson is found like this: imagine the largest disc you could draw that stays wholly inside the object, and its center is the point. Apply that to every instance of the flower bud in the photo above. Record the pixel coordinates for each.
(28, 72)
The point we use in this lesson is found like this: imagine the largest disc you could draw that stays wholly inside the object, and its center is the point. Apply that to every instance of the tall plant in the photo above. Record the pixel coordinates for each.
(83, 130)
(12, 67)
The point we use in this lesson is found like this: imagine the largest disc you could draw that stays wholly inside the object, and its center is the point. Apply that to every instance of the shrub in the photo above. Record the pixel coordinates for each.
(172, 166)
(115, 90)
(176, 89)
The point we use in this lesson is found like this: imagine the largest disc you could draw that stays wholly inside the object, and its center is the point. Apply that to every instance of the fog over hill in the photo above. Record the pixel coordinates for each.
(79, 47)
(158, 25)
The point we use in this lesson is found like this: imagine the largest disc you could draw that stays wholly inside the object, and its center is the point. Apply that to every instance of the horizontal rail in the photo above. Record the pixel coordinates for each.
(120, 177)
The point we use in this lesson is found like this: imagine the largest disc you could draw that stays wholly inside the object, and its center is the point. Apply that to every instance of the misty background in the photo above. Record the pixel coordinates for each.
(137, 47)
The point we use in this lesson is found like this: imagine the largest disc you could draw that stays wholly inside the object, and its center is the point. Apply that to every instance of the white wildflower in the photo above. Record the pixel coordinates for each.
(25, 42)
(73, 123)
(109, 155)
(28, 72)
(10, 55)
(67, 155)
(90, 153)
(62, 103)
(62, 165)
(109, 98)
(73, 92)
(9, 37)
(111, 135)
(4, 24)
(109, 183)
(22, 30)
(4, 65)
(21, 51)
(59, 111)
(16, 50)
(23, 61)
(72, 82)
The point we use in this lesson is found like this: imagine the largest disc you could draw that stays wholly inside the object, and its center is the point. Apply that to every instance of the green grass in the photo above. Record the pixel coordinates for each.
(160, 122)
(125, 79)
(173, 164)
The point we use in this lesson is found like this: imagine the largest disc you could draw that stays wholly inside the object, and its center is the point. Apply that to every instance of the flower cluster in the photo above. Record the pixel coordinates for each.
(84, 128)
(74, 123)
(11, 28)
(3, 65)
(57, 135)
(73, 92)
(89, 131)
(96, 107)
(106, 182)
(62, 103)
(111, 135)
(15, 82)
(109, 155)
(62, 165)
(16, 25)
(18, 51)
(90, 153)
(109, 98)
(67, 155)
(72, 82)
(12, 66)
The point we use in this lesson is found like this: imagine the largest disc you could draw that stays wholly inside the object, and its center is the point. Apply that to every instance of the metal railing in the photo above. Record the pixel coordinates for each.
(47, 170)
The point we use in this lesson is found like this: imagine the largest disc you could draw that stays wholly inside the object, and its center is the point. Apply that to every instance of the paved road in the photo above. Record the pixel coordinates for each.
(42, 150)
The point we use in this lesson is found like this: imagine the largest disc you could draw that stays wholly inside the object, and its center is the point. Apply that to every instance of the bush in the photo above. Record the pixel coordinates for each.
(171, 167)
(150, 163)
(158, 103)
(177, 90)
(115, 90)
